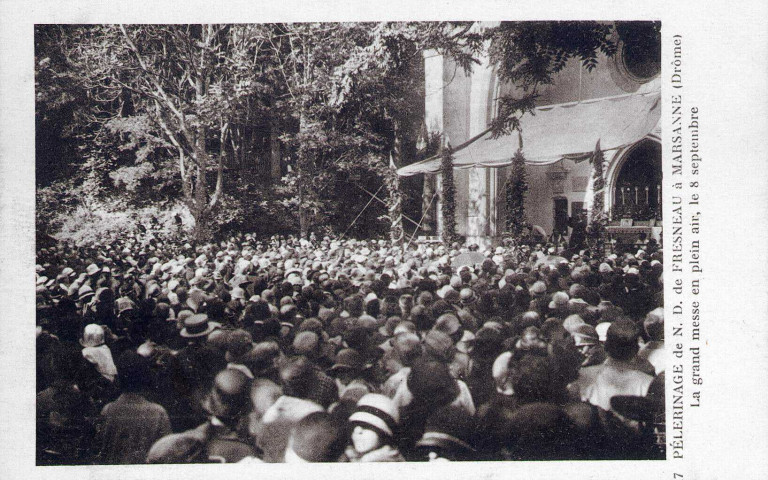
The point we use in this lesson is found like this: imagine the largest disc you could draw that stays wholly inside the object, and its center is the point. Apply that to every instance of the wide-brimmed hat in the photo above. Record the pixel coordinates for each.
(124, 304)
(378, 411)
(467, 296)
(585, 335)
(349, 359)
(198, 326)
(92, 269)
(448, 428)
(85, 293)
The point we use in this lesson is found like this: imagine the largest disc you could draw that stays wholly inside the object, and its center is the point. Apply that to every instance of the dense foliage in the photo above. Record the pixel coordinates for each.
(598, 217)
(265, 127)
(515, 189)
(529, 54)
(448, 197)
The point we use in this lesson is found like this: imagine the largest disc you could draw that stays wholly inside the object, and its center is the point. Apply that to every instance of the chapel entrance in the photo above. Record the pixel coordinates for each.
(637, 190)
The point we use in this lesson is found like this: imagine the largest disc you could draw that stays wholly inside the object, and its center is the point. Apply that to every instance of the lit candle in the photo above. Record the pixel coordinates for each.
(623, 201)
(646, 194)
(636, 200)
(658, 195)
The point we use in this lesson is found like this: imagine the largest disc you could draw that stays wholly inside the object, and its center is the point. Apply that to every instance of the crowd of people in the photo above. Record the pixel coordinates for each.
(330, 350)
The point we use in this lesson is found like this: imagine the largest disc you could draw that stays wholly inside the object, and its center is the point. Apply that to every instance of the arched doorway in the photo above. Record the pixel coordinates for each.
(637, 184)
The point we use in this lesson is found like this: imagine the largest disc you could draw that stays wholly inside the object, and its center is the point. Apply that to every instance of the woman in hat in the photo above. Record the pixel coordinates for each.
(447, 436)
(374, 421)
(97, 352)
(429, 386)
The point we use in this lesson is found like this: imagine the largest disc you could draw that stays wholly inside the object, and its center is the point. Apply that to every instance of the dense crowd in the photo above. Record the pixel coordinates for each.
(294, 350)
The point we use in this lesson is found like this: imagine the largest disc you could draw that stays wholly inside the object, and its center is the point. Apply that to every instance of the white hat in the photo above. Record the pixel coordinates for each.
(378, 411)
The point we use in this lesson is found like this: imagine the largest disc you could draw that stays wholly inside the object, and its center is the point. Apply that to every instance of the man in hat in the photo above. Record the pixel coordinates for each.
(239, 344)
(223, 437)
(318, 437)
(617, 375)
(195, 367)
(64, 413)
(131, 424)
(447, 436)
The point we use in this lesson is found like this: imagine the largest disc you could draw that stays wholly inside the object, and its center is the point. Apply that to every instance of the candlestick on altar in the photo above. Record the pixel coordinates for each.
(646, 194)
(658, 195)
(636, 201)
(623, 201)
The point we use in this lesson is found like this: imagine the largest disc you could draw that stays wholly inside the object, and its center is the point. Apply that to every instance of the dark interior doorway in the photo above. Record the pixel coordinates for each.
(637, 193)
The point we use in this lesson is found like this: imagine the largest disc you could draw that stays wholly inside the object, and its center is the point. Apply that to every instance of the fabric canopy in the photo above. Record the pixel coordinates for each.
(553, 132)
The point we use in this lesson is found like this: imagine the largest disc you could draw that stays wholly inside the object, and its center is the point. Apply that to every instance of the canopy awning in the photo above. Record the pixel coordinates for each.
(553, 132)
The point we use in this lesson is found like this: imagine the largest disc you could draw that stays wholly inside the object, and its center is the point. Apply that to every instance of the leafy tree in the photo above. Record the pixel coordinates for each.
(379, 84)
(529, 54)
(163, 90)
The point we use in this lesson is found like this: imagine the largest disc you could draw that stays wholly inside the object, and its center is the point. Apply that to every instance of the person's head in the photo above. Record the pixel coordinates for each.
(294, 375)
(229, 397)
(654, 324)
(318, 437)
(621, 339)
(538, 431)
(439, 345)
(532, 378)
(422, 318)
(354, 305)
(407, 346)
(349, 364)
(450, 324)
(447, 434)
(133, 372)
(374, 422)
(66, 361)
(238, 344)
(425, 298)
(430, 382)
(93, 336)
(405, 302)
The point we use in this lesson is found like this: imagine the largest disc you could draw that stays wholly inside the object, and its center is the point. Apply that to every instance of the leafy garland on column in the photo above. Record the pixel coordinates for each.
(598, 217)
(449, 197)
(515, 189)
(394, 203)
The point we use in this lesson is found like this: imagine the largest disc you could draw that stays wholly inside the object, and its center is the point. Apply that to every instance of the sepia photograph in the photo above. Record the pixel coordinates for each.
(349, 242)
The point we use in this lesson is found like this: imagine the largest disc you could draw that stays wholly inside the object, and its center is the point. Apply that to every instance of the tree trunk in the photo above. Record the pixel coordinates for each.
(274, 149)
(301, 163)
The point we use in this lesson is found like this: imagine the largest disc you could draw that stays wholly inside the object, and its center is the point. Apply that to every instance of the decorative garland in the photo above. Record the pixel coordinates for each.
(449, 197)
(598, 217)
(515, 188)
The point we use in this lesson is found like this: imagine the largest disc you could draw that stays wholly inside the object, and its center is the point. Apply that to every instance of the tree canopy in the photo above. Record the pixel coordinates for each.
(260, 126)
